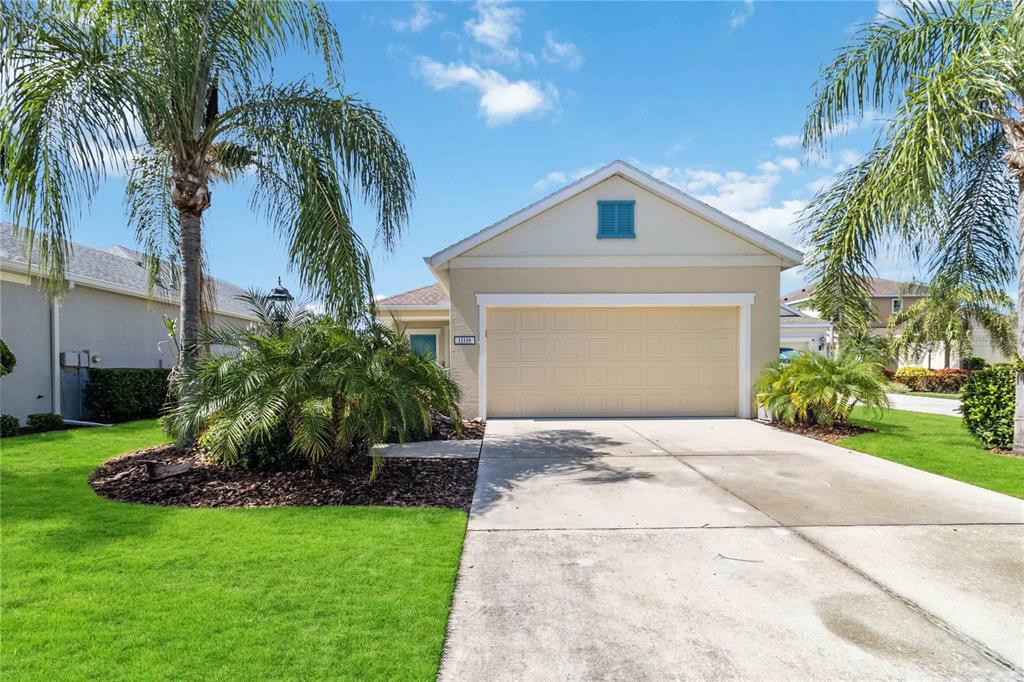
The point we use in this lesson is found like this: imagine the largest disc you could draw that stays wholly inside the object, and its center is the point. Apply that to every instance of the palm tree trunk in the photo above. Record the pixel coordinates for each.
(1018, 410)
(191, 246)
(191, 197)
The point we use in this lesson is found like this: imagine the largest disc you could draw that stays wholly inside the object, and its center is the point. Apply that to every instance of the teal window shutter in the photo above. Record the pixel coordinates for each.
(616, 220)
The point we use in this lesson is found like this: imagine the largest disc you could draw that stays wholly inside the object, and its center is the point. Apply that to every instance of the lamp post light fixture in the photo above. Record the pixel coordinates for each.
(280, 294)
(280, 300)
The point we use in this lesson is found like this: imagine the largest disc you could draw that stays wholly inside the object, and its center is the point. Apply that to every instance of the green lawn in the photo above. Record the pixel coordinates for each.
(938, 444)
(928, 394)
(95, 589)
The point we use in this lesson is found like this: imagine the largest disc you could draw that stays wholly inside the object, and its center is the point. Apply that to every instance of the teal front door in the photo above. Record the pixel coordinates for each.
(424, 344)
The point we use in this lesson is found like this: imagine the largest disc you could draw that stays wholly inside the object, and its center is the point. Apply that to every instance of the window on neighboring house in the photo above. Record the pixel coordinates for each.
(616, 220)
(897, 305)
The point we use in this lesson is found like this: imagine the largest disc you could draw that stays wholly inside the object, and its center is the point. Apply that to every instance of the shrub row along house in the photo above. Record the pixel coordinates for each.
(618, 295)
(108, 318)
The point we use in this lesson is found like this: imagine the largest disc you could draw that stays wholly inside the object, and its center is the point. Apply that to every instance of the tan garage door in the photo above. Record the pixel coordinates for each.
(611, 362)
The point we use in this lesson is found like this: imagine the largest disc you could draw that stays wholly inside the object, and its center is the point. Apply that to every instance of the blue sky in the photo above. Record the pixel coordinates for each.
(499, 104)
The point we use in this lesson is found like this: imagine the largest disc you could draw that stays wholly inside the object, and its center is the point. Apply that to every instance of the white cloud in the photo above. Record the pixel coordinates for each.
(786, 141)
(501, 100)
(556, 178)
(556, 52)
(496, 26)
(741, 14)
(744, 196)
(847, 158)
(422, 16)
(788, 163)
(893, 8)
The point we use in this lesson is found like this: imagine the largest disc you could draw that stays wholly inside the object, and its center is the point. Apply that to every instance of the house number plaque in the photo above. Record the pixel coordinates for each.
(465, 340)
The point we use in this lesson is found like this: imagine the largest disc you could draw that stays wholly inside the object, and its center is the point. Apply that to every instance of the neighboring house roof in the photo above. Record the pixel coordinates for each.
(792, 317)
(115, 268)
(789, 256)
(429, 296)
(877, 287)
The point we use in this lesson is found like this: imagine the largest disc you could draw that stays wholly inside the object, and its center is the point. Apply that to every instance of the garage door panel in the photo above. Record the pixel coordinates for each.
(566, 348)
(612, 362)
(628, 320)
(720, 346)
(595, 377)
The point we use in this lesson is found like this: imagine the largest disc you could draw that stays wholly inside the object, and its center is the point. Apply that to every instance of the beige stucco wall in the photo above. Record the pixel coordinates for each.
(570, 229)
(883, 308)
(467, 282)
(410, 320)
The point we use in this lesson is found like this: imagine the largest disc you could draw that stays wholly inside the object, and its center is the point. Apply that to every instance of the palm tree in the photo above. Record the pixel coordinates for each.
(311, 388)
(180, 94)
(949, 314)
(945, 180)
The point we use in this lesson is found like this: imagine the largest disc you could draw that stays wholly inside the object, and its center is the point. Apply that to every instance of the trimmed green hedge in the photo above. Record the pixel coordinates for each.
(44, 421)
(987, 405)
(8, 425)
(932, 380)
(120, 394)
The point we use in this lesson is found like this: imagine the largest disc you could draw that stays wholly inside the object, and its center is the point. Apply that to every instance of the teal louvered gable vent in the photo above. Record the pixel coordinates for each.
(616, 220)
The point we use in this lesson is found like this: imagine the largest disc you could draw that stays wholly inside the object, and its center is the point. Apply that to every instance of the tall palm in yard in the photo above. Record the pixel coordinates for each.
(949, 315)
(180, 92)
(946, 178)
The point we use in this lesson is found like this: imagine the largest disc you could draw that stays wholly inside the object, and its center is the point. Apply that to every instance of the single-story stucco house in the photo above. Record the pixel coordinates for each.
(107, 318)
(618, 295)
(801, 331)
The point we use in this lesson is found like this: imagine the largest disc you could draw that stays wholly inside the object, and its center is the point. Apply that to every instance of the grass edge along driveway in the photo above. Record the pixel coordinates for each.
(939, 444)
(96, 589)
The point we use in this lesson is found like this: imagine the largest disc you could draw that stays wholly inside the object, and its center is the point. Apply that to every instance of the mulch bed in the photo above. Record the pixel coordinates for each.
(445, 430)
(446, 483)
(829, 434)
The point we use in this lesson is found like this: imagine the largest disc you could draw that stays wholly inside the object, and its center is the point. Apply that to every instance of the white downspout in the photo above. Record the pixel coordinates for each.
(55, 357)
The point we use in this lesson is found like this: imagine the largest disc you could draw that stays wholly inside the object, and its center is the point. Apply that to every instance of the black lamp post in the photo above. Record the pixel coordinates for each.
(280, 298)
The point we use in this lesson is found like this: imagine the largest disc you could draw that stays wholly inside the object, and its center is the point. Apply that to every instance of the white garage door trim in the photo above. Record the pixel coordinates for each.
(743, 301)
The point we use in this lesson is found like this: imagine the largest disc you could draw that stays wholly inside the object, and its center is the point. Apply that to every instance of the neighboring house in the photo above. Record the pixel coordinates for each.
(799, 330)
(107, 318)
(617, 295)
(887, 300)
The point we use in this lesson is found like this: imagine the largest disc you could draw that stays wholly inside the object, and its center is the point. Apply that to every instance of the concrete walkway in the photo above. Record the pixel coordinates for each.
(920, 403)
(671, 549)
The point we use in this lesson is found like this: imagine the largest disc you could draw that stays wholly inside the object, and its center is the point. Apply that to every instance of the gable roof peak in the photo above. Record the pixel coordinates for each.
(787, 254)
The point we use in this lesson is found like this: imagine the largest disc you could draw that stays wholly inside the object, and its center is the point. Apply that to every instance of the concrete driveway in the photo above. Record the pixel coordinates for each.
(921, 403)
(688, 549)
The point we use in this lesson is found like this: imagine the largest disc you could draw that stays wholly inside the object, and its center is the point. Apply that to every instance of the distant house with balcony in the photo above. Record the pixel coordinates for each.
(888, 299)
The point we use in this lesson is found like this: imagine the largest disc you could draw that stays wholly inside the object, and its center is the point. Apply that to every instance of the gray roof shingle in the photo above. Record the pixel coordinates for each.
(117, 265)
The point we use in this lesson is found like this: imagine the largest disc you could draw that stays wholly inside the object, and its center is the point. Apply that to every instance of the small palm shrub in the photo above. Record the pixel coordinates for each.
(814, 389)
(306, 391)
(987, 405)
